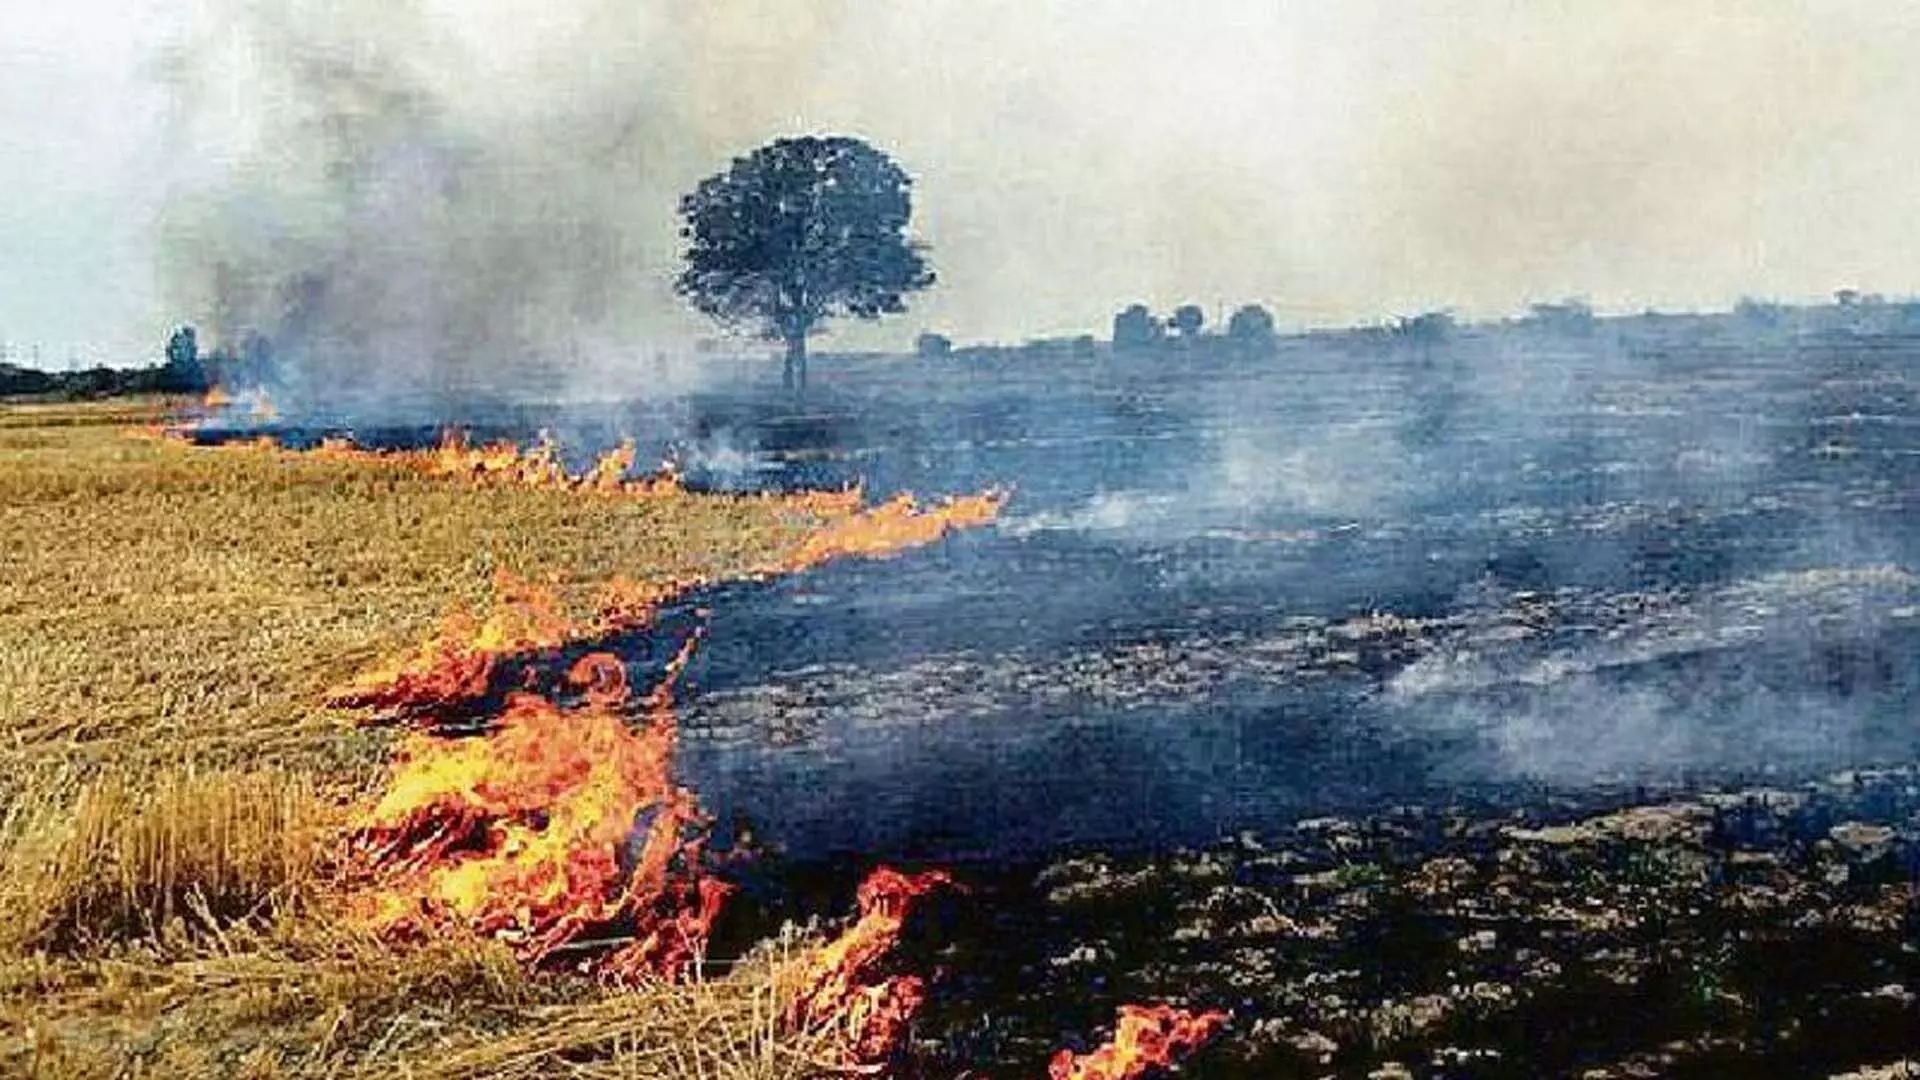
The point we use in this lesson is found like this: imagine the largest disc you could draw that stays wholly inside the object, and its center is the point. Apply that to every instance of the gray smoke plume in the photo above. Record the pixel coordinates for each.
(411, 212)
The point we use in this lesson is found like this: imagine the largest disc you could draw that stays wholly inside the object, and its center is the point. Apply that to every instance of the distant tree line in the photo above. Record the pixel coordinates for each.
(94, 382)
(1250, 328)
(182, 369)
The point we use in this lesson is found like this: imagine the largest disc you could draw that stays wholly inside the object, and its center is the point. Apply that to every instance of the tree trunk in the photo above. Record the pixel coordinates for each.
(794, 377)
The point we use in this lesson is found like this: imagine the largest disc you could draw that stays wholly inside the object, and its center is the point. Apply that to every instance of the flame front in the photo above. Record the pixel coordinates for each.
(539, 466)
(1147, 1037)
(844, 987)
(455, 666)
(256, 402)
(895, 526)
(560, 824)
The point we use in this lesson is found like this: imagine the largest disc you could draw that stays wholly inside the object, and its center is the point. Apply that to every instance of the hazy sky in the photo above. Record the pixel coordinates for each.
(1339, 160)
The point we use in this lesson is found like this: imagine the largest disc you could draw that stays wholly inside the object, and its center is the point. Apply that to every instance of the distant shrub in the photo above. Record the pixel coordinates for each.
(1567, 317)
(1251, 327)
(1187, 320)
(932, 346)
(1758, 312)
(25, 381)
(1427, 327)
(1136, 328)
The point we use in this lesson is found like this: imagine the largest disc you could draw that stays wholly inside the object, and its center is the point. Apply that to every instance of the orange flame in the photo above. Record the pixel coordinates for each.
(539, 466)
(156, 432)
(895, 526)
(259, 405)
(263, 410)
(610, 471)
(526, 834)
(843, 988)
(457, 663)
(1147, 1037)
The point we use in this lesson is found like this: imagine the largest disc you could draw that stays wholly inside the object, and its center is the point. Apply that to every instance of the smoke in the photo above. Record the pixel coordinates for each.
(1780, 671)
(426, 192)
(1336, 159)
(421, 202)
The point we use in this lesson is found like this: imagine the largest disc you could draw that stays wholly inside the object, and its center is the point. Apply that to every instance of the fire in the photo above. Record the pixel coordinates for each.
(528, 834)
(153, 432)
(259, 406)
(561, 827)
(498, 464)
(886, 529)
(539, 466)
(501, 462)
(262, 409)
(456, 665)
(897, 525)
(844, 989)
(1146, 1037)
(610, 471)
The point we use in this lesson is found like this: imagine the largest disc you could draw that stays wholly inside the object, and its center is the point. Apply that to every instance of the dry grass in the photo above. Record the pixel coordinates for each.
(169, 784)
(303, 1002)
(724, 1028)
(170, 856)
(161, 599)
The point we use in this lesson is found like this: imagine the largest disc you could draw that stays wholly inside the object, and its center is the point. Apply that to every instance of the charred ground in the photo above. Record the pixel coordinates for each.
(1463, 704)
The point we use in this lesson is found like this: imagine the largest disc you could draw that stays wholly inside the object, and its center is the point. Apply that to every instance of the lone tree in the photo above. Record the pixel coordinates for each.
(184, 371)
(799, 231)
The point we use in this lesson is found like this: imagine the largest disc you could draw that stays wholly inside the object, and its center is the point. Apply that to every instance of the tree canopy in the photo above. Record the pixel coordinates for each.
(1251, 327)
(797, 232)
(1135, 328)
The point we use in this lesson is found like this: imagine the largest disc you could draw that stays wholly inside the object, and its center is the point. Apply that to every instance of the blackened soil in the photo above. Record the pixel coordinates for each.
(1744, 933)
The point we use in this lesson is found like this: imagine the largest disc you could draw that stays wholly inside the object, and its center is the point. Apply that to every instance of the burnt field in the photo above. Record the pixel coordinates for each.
(1469, 708)
(1424, 600)
(1227, 594)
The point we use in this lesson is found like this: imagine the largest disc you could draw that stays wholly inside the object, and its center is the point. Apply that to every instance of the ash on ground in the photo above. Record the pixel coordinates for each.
(1755, 932)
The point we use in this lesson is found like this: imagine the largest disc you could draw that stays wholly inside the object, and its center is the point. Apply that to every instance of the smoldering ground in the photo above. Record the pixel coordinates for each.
(1234, 589)
(420, 213)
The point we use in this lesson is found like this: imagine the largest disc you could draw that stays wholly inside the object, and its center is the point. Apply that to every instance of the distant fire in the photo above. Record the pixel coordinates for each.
(539, 466)
(1147, 1037)
(845, 988)
(254, 405)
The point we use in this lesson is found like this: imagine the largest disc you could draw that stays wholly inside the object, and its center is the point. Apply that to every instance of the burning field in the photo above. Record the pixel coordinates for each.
(470, 857)
(1109, 757)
